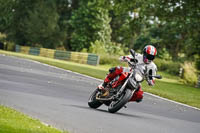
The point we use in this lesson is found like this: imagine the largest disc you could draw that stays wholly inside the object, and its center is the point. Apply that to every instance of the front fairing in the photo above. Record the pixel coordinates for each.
(138, 75)
(134, 82)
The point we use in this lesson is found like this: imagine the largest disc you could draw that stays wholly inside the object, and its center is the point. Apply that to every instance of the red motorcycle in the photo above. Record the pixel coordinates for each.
(122, 88)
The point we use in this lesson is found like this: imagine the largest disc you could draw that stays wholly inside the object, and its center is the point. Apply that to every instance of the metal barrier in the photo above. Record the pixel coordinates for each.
(84, 58)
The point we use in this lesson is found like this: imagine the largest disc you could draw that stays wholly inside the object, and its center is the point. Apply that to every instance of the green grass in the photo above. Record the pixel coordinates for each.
(168, 87)
(12, 121)
(176, 91)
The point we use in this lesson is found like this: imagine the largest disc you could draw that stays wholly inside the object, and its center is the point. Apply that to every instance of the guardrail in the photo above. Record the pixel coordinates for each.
(84, 58)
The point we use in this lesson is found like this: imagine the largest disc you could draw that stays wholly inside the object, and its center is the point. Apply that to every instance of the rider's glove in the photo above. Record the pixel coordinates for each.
(151, 82)
(121, 58)
(124, 59)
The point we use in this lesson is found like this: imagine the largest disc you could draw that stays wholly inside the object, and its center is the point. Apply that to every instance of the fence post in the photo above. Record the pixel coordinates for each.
(98, 60)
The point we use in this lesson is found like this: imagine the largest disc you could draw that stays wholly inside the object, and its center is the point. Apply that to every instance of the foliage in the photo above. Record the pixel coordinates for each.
(126, 22)
(2, 37)
(98, 47)
(149, 36)
(111, 60)
(101, 48)
(197, 62)
(6, 14)
(64, 9)
(189, 73)
(109, 54)
(172, 26)
(90, 22)
(10, 46)
(42, 29)
(179, 23)
(34, 23)
(168, 66)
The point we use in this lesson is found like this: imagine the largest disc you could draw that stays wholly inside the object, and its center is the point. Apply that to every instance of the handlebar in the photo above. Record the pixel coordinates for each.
(157, 76)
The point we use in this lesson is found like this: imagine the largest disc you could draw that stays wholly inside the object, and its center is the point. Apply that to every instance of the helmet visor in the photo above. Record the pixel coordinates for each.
(150, 57)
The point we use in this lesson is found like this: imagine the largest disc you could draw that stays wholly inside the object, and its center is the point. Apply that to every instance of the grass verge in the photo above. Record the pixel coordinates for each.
(12, 121)
(168, 87)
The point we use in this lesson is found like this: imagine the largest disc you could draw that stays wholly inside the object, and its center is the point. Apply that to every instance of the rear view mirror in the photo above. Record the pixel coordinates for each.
(132, 53)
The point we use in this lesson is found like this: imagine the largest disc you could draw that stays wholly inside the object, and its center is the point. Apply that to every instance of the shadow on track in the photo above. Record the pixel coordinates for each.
(105, 111)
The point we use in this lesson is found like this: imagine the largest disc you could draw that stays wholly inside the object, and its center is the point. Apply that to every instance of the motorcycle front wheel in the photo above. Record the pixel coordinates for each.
(122, 100)
(93, 102)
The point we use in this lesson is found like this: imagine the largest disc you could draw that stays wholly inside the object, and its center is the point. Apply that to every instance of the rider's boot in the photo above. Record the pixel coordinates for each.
(103, 89)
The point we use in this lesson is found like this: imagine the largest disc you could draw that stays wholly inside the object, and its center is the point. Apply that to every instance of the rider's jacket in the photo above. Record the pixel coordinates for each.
(151, 67)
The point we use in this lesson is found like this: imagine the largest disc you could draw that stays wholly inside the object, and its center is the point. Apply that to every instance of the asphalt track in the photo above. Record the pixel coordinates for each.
(59, 98)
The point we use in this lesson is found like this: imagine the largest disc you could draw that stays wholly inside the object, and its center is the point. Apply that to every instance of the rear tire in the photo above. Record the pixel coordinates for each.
(93, 102)
(117, 105)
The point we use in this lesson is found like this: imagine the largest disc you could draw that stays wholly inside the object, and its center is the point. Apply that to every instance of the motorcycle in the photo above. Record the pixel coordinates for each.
(122, 88)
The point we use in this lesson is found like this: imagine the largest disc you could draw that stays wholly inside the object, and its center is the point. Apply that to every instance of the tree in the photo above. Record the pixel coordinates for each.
(126, 22)
(42, 29)
(35, 24)
(6, 14)
(171, 25)
(65, 9)
(179, 23)
(90, 22)
(32, 22)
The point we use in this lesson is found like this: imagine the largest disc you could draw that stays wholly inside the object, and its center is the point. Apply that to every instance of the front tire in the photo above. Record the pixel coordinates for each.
(93, 102)
(117, 105)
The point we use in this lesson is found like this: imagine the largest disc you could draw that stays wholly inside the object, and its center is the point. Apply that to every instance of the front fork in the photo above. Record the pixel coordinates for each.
(119, 93)
(124, 85)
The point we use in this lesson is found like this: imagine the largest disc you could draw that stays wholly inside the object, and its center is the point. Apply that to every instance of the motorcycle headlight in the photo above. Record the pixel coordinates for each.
(138, 77)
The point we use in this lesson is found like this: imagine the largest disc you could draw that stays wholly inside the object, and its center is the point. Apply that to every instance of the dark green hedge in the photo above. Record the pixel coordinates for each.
(168, 66)
(198, 64)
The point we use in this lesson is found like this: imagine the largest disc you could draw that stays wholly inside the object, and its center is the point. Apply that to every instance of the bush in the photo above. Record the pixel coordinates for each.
(198, 64)
(2, 37)
(189, 74)
(9, 46)
(98, 48)
(168, 66)
(106, 59)
(109, 53)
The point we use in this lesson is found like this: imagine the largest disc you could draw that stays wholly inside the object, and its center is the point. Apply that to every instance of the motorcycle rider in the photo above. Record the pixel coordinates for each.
(149, 53)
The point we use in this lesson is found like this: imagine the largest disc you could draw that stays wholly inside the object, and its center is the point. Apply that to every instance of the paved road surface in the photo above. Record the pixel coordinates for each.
(59, 98)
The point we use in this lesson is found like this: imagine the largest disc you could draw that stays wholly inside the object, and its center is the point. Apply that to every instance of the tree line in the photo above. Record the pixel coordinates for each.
(172, 26)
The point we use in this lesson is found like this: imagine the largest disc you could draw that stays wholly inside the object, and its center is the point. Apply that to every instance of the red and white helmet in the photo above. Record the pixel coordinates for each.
(149, 53)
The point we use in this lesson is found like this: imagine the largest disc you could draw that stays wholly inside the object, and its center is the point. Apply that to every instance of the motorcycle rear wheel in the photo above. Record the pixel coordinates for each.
(93, 102)
(117, 105)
